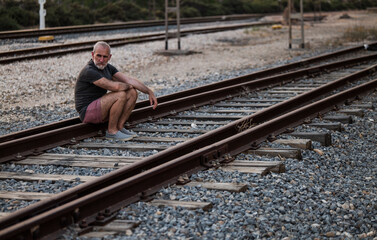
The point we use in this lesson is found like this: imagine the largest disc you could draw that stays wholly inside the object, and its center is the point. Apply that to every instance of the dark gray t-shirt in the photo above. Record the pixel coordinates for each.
(85, 91)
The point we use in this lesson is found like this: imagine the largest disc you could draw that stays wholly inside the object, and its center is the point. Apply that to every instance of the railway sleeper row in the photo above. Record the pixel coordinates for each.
(121, 226)
(124, 226)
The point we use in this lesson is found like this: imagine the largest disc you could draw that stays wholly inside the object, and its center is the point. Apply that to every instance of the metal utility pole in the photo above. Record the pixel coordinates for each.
(296, 16)
(178, 33)
(42, 14)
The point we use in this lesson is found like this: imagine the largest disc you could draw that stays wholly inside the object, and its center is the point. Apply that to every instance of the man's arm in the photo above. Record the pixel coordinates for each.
(112, 85)
(122, 78)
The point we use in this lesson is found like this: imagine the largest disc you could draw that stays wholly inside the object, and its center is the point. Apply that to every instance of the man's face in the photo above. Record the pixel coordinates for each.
(101, 57)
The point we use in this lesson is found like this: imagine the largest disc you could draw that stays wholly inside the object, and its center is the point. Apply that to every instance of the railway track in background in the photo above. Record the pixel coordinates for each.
(62, 49)
(116, 26)
(297, 95)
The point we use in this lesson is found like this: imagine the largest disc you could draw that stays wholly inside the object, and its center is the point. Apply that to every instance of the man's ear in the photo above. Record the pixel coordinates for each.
(92, 54)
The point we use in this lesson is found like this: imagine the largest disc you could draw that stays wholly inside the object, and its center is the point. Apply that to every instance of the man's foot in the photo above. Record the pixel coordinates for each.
(128, 132)
(119, 136)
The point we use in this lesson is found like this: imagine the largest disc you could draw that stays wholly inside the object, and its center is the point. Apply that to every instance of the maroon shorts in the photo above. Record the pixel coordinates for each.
(93, 112)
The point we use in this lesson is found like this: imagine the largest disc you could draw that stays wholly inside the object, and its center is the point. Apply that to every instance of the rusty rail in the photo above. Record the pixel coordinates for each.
(134, 182)
(62, 49)
(125, 25)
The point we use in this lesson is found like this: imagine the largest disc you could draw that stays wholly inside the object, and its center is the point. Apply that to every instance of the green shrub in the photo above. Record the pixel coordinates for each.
(122, 10)
(7, 23)
(187, 12)
(25, 13)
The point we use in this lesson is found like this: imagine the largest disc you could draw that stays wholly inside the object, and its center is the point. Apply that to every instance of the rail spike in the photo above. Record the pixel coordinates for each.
(254, 146)
(271, 138)
(19, 157)
(183, 179)
(214, 158)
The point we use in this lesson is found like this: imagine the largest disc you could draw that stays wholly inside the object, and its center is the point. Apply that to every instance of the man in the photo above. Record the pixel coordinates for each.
(96, 105)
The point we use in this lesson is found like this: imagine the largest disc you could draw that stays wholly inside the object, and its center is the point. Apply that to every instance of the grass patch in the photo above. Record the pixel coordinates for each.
(360, 33)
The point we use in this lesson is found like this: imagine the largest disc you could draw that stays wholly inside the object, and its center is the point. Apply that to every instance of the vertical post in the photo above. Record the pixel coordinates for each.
(290, 23)
(166, 24)
(154, 10)
(177, 11)
(178, 26)
(302, 24)
(42, 14)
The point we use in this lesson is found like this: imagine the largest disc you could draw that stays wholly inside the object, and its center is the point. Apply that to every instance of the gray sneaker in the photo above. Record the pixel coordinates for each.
(128, 132)
(119, 136)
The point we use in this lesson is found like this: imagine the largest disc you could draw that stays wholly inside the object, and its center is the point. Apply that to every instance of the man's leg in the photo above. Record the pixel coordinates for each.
(113, 108)
(128, 107)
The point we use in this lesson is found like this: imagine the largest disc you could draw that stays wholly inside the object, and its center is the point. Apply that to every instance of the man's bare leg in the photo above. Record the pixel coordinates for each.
(112, 106)
(128, 107)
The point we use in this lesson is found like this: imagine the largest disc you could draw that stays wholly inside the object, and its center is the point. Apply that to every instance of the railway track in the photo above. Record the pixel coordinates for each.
(62, 49)
(18, 145)
(241, 112)
(116, 26)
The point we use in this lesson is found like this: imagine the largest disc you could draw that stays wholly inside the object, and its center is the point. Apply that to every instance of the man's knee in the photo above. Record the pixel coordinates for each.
(121, 95)
(127, 95)
(133, 94)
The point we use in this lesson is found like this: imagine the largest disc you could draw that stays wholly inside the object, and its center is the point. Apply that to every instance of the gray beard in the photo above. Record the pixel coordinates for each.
(100, 67)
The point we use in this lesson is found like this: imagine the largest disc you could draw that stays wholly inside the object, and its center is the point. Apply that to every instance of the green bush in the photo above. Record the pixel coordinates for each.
(24, 17)
(25, 13)
(7, 23)
(187, 12)
(121, 10)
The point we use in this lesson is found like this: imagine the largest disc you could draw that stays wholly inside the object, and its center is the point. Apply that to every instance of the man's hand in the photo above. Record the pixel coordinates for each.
(152, 99)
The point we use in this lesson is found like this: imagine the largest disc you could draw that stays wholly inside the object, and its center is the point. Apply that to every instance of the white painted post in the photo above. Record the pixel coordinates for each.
(42, 14)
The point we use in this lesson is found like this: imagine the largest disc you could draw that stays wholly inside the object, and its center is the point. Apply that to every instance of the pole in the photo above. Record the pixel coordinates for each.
(290, 23)
(42, 14)
(166, 25)
(178, 26)
(302, 24)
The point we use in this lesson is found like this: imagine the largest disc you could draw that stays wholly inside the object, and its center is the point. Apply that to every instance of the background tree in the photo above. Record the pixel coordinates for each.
(22, 14)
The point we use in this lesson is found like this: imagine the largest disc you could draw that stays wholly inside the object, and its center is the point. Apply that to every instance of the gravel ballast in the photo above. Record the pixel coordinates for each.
(329, 196)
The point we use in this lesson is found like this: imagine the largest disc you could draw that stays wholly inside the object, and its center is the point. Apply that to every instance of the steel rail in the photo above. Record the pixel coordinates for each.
(259, 74)
(212, 96)
(106, 201)
(193, 91)
(114, 26)
(35, 144)
(63, 49)
(185, 148)
(72, 45)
